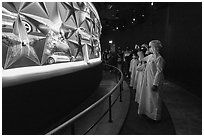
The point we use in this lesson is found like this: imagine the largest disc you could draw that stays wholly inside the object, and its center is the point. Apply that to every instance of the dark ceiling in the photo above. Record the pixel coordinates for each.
(122, 15)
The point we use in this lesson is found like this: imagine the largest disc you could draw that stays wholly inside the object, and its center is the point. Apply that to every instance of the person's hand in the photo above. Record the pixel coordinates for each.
(154, 88)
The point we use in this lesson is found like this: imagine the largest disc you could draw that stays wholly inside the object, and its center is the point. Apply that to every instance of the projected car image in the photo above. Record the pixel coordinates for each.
(48, 27)
(57, 57)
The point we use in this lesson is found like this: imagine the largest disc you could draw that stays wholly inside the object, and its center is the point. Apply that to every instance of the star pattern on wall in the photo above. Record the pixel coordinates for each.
(18, 49)
(61, 18)
(71, 9)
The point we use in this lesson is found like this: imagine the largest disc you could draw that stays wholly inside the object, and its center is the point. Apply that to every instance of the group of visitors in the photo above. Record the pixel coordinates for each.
(146, 68)
(119, 58)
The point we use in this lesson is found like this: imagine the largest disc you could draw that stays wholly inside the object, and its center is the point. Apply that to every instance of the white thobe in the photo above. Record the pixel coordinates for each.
(132, 70)
(138, 81)
(150, 101)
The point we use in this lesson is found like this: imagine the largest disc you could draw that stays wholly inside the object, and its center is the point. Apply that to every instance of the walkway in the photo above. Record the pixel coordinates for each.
(141, 125)
(184, 108)
(104, 127)
(181, 113)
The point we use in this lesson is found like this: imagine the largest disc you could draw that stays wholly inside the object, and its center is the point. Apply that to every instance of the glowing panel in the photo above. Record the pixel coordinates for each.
(45, 33)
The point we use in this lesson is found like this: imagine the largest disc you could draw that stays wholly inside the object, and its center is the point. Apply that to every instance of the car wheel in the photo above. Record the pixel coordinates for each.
(51, 60)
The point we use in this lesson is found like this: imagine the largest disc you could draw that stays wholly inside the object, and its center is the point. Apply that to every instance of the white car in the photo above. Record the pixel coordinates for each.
(59, 57)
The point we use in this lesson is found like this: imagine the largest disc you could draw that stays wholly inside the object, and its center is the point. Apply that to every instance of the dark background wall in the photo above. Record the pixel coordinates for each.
(39, 106)
(184, 41)
(179, 27)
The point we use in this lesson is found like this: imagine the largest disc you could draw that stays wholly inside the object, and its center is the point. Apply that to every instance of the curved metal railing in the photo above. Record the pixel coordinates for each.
(108, 95)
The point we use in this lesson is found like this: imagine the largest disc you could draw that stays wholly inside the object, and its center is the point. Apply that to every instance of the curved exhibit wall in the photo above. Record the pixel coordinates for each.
(41, 33)
(51, 61)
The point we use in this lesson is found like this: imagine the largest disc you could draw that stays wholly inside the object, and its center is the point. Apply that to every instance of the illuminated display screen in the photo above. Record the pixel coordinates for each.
(45, 33)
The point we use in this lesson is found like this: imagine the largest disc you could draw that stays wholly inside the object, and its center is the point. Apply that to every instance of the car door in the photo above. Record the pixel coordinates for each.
(62, 57)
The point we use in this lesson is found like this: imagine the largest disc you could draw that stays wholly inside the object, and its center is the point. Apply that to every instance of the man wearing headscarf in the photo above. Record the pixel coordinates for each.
(139, 75)
(150, 100)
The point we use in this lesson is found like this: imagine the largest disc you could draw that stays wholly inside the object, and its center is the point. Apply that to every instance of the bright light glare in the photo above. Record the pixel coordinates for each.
(28, 74)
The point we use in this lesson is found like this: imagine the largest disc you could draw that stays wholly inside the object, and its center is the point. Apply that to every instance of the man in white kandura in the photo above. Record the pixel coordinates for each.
(150, 100)
(132, 69)
(139, 76)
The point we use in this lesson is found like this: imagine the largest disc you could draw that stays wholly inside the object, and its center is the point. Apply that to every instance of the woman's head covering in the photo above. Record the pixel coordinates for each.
(156, 43)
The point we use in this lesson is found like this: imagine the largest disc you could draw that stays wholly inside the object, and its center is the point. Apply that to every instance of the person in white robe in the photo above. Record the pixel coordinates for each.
(150, 100)
(132, 69)
(139, 76)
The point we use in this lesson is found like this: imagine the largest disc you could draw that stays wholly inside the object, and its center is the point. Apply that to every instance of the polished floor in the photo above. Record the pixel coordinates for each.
(181, 114)
(184, 108)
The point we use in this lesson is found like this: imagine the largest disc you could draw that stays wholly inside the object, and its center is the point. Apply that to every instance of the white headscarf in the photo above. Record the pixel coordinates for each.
(156, 43)
(145, 45)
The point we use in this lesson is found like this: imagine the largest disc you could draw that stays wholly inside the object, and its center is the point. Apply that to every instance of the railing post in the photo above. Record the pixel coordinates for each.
(110, 113)
(72, 129)
(121, 92)
(122, 85)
